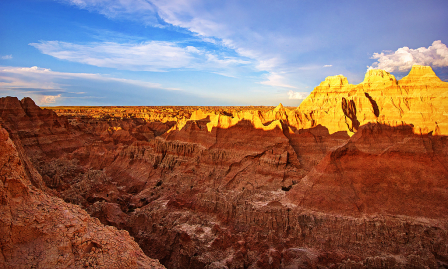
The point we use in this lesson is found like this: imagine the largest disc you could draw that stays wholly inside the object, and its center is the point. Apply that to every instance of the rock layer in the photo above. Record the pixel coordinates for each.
(419, 100)
(356, 177)
(38, 230)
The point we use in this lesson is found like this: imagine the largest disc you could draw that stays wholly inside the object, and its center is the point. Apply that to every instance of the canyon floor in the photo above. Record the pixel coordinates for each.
(355, 177)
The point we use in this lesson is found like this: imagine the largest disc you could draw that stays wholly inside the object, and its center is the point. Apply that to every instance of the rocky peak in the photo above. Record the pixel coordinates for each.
(280, 107)
(9, 102)
(420, 75)
(379, 76)
(30, 108)
(420, 70)
(332, 81)
(27, 102)
(419, 99)
(11, 106)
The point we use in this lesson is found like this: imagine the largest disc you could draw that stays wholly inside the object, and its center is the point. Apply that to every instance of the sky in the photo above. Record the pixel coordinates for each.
(194, 52)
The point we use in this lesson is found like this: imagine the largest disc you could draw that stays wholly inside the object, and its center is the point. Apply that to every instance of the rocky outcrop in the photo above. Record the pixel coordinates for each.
(40, 131)
(419, 100)
(37, 230)
(380, 170)
(353, 178)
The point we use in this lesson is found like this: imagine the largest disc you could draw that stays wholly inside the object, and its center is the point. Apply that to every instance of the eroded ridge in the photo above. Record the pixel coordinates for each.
(356, 177)
(40, 230)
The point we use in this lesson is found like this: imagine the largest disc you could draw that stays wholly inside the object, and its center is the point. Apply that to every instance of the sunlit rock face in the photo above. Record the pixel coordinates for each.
(356, 177)
(419, 99)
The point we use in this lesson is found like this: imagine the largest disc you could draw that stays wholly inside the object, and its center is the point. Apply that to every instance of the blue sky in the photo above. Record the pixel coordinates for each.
(192, 52)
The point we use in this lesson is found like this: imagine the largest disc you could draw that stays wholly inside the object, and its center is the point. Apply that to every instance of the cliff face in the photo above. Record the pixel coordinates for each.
(419, 99)
(38, 230)
(356, 177)
(381, 169)
(40, 131)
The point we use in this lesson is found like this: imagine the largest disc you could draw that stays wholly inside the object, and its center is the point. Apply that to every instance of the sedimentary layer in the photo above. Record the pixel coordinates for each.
(356, 177)
(38, 230)
(418, 99)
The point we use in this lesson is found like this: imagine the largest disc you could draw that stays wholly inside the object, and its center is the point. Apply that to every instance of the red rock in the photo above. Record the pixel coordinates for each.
(343, 181)
(400, 176)
(38, 230)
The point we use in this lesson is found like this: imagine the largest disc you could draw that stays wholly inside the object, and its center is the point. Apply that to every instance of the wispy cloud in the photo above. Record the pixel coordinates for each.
(283, 38)
(43, 78)
(328, 65)
(50, 87)
(210, 25)
(402, 59)
(297, 95)
(238, 28)
(276, 80)
(106, 35)
(140, 10)
(149, 56)
(7, 57)
(155, 56)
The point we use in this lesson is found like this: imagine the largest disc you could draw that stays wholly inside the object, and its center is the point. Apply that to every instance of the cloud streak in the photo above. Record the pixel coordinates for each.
(211, 24)
(7, 57)
(402, 59)
(156, 56)
(281, 39)
(50, 87)
(43, 78)
(140, 10)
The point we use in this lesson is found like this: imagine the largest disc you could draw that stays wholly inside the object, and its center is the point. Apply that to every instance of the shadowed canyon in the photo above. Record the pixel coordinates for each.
(355, 177)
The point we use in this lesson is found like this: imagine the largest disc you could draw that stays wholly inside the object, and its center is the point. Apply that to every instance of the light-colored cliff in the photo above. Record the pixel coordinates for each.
(420, 99)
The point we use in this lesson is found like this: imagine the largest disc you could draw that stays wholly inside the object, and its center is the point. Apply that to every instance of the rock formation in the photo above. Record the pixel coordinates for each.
(38, 230)
(356, 177)
(419, 100)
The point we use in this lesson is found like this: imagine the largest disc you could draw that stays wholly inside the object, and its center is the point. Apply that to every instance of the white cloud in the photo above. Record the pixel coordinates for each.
(193, 50)
(49, 99)
(221, 23)
(225, 74)
(328, 65)
(236, 27)
(297, 95)
(7, 57)
(266, 64)
(50, 87)
(276, 80)
(43, 78)
(147, 56)
(402, 59)
(28, 78)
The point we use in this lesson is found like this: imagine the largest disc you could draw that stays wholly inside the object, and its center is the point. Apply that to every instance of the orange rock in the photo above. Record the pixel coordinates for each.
(38, 230)
(257, 186)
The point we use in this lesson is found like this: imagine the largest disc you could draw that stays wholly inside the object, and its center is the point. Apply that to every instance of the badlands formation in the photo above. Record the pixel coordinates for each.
(355, 177)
